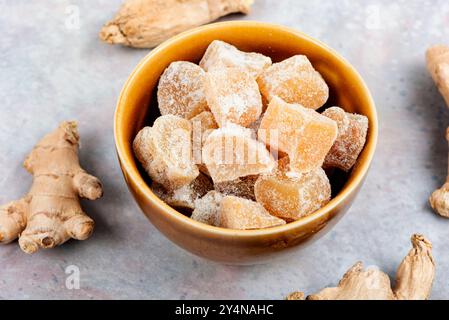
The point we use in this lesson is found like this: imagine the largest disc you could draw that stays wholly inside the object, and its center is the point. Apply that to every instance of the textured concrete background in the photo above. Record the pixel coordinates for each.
(52, 69)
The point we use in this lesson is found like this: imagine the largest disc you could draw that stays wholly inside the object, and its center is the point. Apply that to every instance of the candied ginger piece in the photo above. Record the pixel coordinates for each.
(181, 90)
(242, 214)
(292, 196)
(207, 209)
(352, 131)
(256, 125)
(231, 153)
(185, 196)
(202, 125)
(303, 134)
(241, 187)
(295, 81)
(220, 54)
(233, 96)
(165, 152)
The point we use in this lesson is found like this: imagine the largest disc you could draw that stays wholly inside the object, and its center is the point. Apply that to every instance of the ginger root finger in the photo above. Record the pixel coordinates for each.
(438, 65)
(49, 230)
(88, 186)
(413, 281)
(296, 296)
(147, 23)
(12, 220)
(439, 200)
(359, 284)
(51, 213)
(80, 227)
(415, 275)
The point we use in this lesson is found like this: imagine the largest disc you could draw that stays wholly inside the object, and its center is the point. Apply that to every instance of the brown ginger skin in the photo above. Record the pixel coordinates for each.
(147, 23)
(439, 200)
(438, 65)
(297, 295)
(50, 214)
(414, 279)
(437, 58)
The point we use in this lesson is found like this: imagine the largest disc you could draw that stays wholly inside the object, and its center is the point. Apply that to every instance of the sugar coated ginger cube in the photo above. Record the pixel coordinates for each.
(233, 96)
(220, 54)
(295, 81)
(256, 125)
(207, 209)
(303, 134)
(292, 196)
(241, 187)
(181, 90)
(202, 125)
(231, 153)
(165, 152)
(242, 214)
(352, 131)
(185, 196)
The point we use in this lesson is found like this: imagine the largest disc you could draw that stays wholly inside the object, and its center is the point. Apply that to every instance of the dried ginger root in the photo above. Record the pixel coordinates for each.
(297, 295)
(50, 214)
(438, 66)
(413, 280)
(147, 23)
(439, 200)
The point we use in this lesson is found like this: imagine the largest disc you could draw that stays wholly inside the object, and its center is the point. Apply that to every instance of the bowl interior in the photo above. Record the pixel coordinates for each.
(137, 106)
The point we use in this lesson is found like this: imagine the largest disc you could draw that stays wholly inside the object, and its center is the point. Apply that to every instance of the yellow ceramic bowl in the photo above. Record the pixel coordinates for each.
(137, 107)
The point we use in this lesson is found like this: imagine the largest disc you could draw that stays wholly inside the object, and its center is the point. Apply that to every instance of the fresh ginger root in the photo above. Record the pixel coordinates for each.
(413, 280)
(439, 200)
(147, 23)
(50, 214)
(438, 66)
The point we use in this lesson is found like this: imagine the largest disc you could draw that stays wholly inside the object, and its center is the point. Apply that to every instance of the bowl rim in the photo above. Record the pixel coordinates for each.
(167, 211)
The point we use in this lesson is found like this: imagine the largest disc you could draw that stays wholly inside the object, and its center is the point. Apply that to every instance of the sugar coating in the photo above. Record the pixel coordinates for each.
(207, 209)
(242, 214)
(181, 90)
(292, 197)
(352, 131)
(165, 152)
(295, 81)
(256, 125)
(202, 125)
(303, 134)
(231, 153)
(241, 187)
(185, 196)
(220, 54)
(233, 96)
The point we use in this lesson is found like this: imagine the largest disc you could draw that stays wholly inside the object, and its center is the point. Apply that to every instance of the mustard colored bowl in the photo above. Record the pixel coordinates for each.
(137, 107)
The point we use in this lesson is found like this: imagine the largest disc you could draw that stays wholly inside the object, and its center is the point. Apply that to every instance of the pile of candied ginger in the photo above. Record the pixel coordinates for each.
(239, 143)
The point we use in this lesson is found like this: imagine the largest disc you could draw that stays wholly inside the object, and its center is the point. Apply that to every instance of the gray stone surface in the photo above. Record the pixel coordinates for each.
(50, 70)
